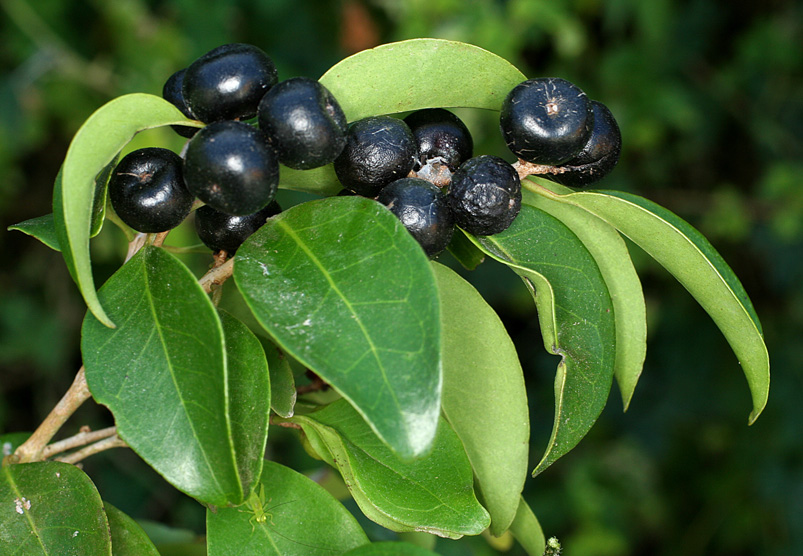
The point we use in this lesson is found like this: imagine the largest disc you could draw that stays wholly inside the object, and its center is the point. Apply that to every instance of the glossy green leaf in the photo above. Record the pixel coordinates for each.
(249, 398)
(163, 375)
(390, 549)
(613, 258)
(411, 75)
(466, 253)
(94, 146)
(690, 258)
(282, 382)
(484, 396)
(575, 314)
(341, 286)
(53, 509)
(296, 518)
(128, 538)
(528, 531)
(320, 181)
(41, 228)
(433, 494)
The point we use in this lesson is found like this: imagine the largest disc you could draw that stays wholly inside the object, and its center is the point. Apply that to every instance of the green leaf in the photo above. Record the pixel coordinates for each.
(694, 262)
(95, 145)
(341, 286)
(613, 258)
(528, 531)
(484, 396)
(163, 375)
(41, 228)
(282, 382)
(411, 75)
(576, 317)
(433, 494)
(466, 253)
(390, 549)
(128, 538)
(249, 398)
(51, 508)
(320, 181)
(296, 518)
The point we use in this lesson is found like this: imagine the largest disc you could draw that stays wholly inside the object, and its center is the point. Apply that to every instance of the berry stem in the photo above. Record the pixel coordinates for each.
(524, 169)
(217, 275)
(33, 448)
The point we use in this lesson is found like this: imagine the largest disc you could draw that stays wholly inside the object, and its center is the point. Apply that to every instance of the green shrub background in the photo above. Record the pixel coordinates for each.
(709, 96)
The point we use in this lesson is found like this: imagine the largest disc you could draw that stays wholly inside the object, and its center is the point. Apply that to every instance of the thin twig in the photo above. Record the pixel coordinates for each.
(100, 446)
(217, 275)
(31, 449)
(81, 439)
(524, 169)
(285, 424)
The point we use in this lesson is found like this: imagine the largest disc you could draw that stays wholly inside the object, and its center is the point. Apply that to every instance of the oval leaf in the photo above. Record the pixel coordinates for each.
(613, 258)
(297, 517)
(249, 398)
(433, 494)
(282, 382)
(576, 316)
(51, 508)
(162, 373)
(342, 286)
(128, 538)
(93, 147)
(694, 262)
(484, 396)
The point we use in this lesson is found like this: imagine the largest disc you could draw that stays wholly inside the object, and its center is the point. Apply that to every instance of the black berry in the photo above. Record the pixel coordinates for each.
(378, 150)
(485, 195)
(598, 157)
(423, 209)
(147, 191)
(171, 92)
(546, 120)
(223, 232)
(304, 123)
(228, 82)
(440, 134)
(231, 167)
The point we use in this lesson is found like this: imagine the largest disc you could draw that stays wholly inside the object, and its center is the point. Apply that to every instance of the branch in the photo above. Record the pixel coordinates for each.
(100, 446)
(81, 439)
(33, 448)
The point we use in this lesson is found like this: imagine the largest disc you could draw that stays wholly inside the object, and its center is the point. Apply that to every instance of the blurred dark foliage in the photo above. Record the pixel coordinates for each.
(709, 96)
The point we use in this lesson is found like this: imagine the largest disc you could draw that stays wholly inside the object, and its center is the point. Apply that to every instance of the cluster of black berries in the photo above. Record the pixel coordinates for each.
(421, 167)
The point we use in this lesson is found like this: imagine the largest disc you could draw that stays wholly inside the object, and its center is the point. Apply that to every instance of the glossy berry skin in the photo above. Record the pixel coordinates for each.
(598, 157)
(228, 82)
(222, 232)
(304, 123)
(546, 120)
(378, 150)
(423, 209)
(171, 92)
(147, 191)
(231, 167)
(485, 195)
(440, 134)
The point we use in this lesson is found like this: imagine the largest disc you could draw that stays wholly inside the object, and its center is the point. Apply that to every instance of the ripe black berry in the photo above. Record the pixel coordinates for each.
(228, 82)
(440, 134)
(423, 209)
(171, 92)
(304, 123)
(378, 150)
(231, 167)
(546, 120)
(598, 157)
(222, 232)
(485, 195)
(147, 191)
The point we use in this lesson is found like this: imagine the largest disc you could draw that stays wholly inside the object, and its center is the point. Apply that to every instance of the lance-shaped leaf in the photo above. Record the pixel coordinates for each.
(690, 258)
(94, 147)
(484, 396)
(162, 373)
(282, 382)
(49, 509)
(576, 317)
(128, 538)
(613, 258)
(527, 530)
(342, 287)
(293, 516)
(42, 228)
(434, 494)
